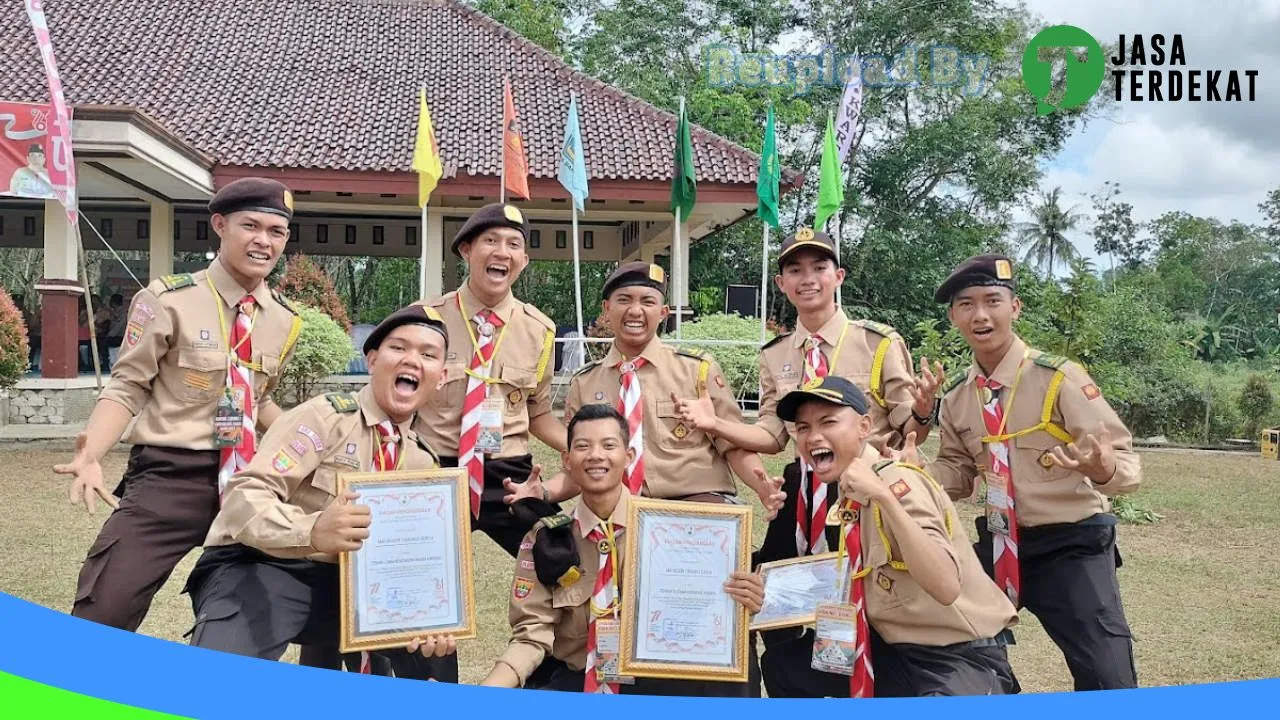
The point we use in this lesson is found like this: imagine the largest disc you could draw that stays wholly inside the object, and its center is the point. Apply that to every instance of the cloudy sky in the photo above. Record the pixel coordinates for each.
(1213, 159)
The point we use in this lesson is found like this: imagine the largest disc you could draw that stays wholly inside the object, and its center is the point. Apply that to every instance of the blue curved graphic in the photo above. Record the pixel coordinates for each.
(55, 649)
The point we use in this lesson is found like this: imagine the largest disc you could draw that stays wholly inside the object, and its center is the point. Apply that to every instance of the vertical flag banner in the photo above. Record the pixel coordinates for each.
(515, 169)
(684, 188)
(830, 183)
(850, 109)
(61, 168)
(426, 153)
(573, 167)
(768, 178)
(25, 149)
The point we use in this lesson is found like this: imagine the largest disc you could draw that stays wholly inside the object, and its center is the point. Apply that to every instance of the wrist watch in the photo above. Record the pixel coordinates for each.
(933, 413)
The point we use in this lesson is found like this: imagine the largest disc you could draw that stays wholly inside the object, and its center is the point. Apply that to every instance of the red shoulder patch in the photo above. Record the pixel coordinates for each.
(900, 488)
(1091, 391)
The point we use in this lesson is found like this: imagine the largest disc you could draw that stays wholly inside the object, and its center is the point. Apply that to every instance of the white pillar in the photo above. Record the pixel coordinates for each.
(61, 261)
(681, 260)
(435, 251)
(161, 243)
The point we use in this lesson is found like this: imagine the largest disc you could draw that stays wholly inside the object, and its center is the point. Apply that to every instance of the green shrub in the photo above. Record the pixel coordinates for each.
(1255, 404)
(14, 350)
(739, 362)
(323, 349)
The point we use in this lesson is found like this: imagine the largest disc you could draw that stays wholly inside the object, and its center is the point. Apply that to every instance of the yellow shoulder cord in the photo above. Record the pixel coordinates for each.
(475, 345)
(946, 516)
(1046, 411)
(703, 371)
(226, 333)
(295, 329)
(547, 344)
(840, 550)
(877, 369)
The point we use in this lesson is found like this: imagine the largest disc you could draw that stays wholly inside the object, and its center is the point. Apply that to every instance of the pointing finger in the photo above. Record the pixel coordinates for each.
(108, 498)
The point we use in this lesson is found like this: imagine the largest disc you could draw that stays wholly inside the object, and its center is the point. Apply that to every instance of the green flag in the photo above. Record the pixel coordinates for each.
(830, 184)
(684, 188)
(767, 181)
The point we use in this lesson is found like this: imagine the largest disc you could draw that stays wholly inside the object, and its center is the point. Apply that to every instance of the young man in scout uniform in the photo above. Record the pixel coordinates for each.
(643, 376)
(872, 355)
(268, 576)
(565, 597)
(498, 389)
(928, 620)
(201, 354)
(1051, 452)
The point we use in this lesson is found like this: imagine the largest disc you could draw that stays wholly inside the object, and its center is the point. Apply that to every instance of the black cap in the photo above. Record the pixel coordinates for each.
(415, 314)
(977, 271)
(255, 195)
(555, 550)
(831, 389)
(492, 215)
(808, 238)
(636, 273)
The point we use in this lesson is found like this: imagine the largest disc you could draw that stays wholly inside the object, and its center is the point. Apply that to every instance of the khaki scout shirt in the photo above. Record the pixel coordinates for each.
(522, 366)
(173, 362)
(555, 620)
(782, 364)
(1045, 492)
(897, 607)
(679, 459)
(273, 503)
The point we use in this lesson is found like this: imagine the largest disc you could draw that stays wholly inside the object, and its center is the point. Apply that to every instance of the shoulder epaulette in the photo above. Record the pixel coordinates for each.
(284, 302)
(427, 448)
(177, 281)
(437, 301)
(551, 522)
(343, 402)
(1053, 362)
(878, 328)
(881, 465)
(691, 354)
(955, 382)
(585, 367)
(775, 341)
(540, 316)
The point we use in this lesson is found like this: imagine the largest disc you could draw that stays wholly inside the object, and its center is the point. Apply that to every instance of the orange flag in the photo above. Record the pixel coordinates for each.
(515, 169)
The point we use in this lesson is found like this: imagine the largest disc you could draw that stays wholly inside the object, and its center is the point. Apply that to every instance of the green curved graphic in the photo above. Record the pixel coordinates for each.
(22, 698)
(1082, 78)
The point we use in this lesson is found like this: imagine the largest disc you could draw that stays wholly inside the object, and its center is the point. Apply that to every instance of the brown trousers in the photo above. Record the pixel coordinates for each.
(168, 499)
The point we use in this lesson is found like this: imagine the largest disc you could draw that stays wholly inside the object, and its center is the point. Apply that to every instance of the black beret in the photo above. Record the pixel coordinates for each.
(415, 314)
(492, 215)
(807, 238)
(831, 389)
(636, 273)
(255, 195)
(977, 271)
(555, 550)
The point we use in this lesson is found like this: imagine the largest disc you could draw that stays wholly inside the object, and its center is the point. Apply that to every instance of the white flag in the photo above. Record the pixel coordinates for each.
(850, 107)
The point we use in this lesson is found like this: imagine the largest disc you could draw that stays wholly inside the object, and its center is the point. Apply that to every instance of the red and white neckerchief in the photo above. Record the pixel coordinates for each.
(862, 681)
(604, 603)
(1004, 545)
(386, 457)
(811, 536)
(240, 380)
(488, 323)
(632, 408)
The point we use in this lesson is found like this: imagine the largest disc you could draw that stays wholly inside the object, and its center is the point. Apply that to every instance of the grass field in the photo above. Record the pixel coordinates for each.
(1202, 587)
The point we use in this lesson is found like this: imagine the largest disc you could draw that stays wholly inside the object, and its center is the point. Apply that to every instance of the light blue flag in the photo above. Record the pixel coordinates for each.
(573, 169)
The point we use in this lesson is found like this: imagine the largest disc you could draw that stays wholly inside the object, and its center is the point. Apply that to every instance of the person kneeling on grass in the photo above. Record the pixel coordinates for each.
(269, 576)
(929, 621)
(569, 568)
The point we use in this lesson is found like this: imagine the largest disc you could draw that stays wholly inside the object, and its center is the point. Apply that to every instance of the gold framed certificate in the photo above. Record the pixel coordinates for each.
(413, 576)
(794, 588)
(677, 620)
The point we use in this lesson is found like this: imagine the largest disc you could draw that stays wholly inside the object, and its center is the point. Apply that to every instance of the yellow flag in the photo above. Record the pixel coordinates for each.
(426, 153)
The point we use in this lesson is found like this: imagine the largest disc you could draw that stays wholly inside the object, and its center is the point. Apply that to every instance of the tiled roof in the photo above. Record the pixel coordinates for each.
(332, 84)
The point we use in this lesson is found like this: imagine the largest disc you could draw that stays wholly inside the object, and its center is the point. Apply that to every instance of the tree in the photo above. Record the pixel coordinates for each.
(1114, 230)
(322, 349)
(1045, 237)
(1255, 403)
(14, 350)
(304, 282)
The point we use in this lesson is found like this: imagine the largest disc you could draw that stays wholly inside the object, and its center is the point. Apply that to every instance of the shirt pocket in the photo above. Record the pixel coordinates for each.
(517, 384)
(203, 374)
(571, 603)
(318, 493)
(455, 386)
(270, 374)
(1033, 449)
(882, 585)
(673, 432)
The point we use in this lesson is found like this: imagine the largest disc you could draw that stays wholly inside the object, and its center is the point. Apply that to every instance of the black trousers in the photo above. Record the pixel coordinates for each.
(1069, 583)
(251, 604)
(901, 670)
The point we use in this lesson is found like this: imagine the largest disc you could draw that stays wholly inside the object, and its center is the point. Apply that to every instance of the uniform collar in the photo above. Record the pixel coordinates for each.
(231, 291)
(504, 309)
(649, 353)
(830, 332)
(373, 414)
(1006, 373)
(587, 520)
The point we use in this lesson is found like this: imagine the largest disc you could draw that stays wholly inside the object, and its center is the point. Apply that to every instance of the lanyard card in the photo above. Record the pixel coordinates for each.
(608, 645)
(997, 507)
(835, 638)
(228, 418)
(489, 441)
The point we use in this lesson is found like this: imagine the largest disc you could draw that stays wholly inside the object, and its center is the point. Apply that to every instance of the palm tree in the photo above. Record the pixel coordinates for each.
(1045, 237)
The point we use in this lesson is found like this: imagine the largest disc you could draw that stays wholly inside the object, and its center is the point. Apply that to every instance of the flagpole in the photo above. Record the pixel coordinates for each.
(677, 262)
(764, 280)
(577, 279)
(422, 257)
(836, 236)
(502, 147)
